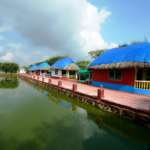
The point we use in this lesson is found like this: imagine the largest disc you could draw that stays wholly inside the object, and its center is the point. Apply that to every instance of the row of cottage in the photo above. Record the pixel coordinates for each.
(125, 68)
(63, 68)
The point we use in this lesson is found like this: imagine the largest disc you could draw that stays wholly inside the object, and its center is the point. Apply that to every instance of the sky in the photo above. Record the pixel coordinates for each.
(34, 30)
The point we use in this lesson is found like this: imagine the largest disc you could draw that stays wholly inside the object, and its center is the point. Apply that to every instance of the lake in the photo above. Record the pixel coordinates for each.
(34, 118)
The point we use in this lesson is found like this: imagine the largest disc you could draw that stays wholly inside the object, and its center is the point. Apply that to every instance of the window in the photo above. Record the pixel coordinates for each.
(72, 73)
(63, 72)
(143, 74)
(56, 71)
(139, 74)
(115, 74)
(148, 74)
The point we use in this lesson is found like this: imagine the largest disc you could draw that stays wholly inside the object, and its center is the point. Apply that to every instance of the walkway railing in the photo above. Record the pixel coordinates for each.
(142, 84)
(72, 76)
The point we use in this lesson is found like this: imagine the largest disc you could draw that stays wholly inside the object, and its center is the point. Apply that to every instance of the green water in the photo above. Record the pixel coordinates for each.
(33, 118)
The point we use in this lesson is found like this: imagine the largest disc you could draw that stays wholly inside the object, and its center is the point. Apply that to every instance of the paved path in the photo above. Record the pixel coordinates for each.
(130, 100)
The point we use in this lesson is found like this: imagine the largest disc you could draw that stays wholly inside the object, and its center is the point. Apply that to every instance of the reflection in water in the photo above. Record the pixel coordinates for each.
(38, 119)
(8, 82)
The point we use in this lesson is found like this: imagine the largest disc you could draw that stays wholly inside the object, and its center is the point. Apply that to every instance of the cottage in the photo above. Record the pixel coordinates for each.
(22, 70)
(40, 68)
(43, 68)
(66, 68)
(32, 69)
(125, 68)
(84, 75)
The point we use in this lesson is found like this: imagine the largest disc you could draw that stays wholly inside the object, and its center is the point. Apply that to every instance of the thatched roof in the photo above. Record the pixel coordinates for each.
(135, 55)
(62, 63)
(122, 65)
(72, 67)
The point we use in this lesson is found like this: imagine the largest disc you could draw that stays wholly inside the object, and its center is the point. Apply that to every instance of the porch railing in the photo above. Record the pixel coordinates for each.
(142, 84)
(72, 76)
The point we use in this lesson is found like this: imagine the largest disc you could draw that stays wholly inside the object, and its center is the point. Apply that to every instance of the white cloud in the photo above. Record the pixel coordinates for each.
(112, 45)
(7, 57)
(66, 26)
(90, 37)
(21, 53)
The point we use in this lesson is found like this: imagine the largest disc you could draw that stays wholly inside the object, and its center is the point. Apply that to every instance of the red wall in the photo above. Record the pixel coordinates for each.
(128, 76)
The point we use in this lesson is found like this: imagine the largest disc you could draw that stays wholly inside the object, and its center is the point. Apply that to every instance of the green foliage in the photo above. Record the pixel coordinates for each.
(8, 67)
(96, 53)
(9, 82)
(123, 45)
(52, 60)
(134, 42)
(83, 63)
(25, 67)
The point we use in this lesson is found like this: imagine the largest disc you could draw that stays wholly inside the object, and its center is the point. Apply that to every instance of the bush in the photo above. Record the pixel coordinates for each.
(9, 67)
(83, 64)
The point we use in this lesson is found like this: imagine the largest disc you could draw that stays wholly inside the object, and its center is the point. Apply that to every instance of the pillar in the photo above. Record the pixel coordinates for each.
(74, 88)
(76, 75)
(100, 93)
(49, 81)
(67, 74)
(59, 83)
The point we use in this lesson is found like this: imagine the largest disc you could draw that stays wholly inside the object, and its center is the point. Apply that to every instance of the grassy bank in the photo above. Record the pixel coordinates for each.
(8, 74)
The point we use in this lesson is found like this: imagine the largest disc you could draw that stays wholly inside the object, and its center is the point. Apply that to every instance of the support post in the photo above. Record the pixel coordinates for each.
(67, 74)
(100, 93)
(76, 74)
(59, 83)
(74, 88)
(49, 81)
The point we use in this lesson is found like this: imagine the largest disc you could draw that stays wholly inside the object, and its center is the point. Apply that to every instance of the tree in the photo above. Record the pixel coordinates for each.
(83, 64)
(25, 68)
(52, 60)
(9, 67)
(96, 53)
(123, 45)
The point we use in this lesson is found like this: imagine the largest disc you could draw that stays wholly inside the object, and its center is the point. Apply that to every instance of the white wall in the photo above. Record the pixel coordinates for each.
(60, 74)
(56, 75)
(22, 71)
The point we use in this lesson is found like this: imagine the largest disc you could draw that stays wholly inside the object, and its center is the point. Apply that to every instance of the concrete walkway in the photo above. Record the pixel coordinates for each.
(134, 101)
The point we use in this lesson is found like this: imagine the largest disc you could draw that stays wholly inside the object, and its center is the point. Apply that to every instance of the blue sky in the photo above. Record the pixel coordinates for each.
(33, 30)
(129, 20)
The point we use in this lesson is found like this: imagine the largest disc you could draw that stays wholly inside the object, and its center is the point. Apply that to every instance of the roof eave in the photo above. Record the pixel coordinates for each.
(122, 65)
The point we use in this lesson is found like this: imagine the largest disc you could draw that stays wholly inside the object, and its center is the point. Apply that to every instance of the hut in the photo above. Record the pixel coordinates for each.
(32, 69)
(22, 70)
(84, 75)
(42, 68)
(125, 68)
(66, 68)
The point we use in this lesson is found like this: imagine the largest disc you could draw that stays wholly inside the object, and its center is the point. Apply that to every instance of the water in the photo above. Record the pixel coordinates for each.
(32, 118)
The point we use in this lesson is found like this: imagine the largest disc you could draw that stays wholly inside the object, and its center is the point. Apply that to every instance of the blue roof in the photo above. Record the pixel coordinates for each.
(132, 53)
(62, 63)
(43, 66)
(33, 68)
(40, 66)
